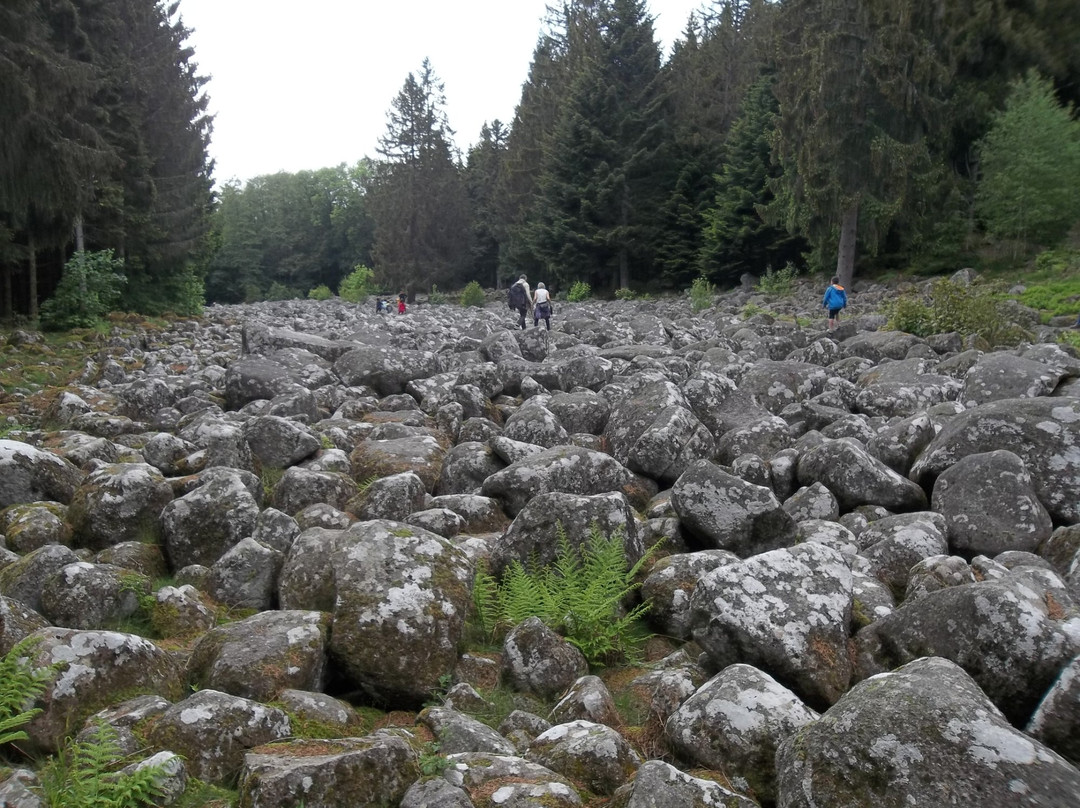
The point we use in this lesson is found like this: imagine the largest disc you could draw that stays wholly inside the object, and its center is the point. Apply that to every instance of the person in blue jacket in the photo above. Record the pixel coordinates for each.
(835, 299)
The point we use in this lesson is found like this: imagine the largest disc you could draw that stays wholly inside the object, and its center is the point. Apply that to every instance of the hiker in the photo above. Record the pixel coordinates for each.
(380, 306)
(401, 303)
(542, 306)
(519, 299)
(834, 300)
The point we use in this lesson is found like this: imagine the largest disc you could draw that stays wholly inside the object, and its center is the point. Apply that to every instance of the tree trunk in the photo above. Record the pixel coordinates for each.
(845, 254)
(31, 282)
(9, 301)
(80, 247)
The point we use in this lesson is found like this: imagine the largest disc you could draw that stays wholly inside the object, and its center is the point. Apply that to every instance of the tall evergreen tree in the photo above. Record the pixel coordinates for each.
(859, 83)
(736, 239)
(483, 174)
(603, 176)
(419, 202)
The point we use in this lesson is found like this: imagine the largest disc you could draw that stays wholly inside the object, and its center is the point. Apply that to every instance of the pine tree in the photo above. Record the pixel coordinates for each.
(483, 174)
(419, 202)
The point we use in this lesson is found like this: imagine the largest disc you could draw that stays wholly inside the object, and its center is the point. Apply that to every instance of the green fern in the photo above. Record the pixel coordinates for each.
(580, 595)
(20, 684)
(84, 773)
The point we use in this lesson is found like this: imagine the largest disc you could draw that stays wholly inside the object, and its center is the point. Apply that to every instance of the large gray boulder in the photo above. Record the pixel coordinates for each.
(1056, 722)
(774, 385)
(533, 536)
(1014, 635)
(654, 432)
(571, 469)
(258, 657)
(734, 723)
(385, 370)
(120, 502)
(922, 735)
(727, 513)
(369, 772)
(594, 755)
(660, 785)
(990, 505)
(670, 583)
(856, 477)
(786, 612)
(537, 660)
(202, 525)
(1043, 432)
(278, 442)
(401, 587)
(1003, 375)
(92, 596)
(28, 474)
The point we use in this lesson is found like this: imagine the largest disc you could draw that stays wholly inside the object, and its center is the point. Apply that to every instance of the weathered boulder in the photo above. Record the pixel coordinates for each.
(28, 474)
(774, 385)
(535, 423)
(670, 584)
(368, 772)
(278, 442)
(660, 785)
(1043, 432)
(570, 469)
(202, 525)
(24, 578)
(385, 370)
(806, 591)
(393, 497)
(421, 453)
(32, 525)
(734, 723)
(300, 488)
(103, 668)
(537, 660)
(856, 477)
(588, 699)
(594, 755)
(1004, 375)
(922, 735)
(457, 732)
(1014, 635)
(654, 432)
(261, 655)
(402, 587)
(246, 575)
(89, 596)
(894, 544)
(17, 620)
(213, 731)
(120, 502)
(1056, 721)
(516, 780)
(727, 513)
(990, 505)
(534, 533)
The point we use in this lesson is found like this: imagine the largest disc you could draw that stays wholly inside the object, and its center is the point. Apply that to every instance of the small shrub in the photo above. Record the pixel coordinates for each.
(701, 293)
(975, 309)
(279, 291)
(778, 282)
(624, 293)
(435, 297)
(473, 295)
(91, 286)
(750, 309)
(357, 284)
(579, 291)
(1070, 339)
(320, 292)
(579, 596)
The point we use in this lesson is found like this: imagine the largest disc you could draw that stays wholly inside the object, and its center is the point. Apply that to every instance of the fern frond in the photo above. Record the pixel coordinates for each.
(20, 684)
(485, 596)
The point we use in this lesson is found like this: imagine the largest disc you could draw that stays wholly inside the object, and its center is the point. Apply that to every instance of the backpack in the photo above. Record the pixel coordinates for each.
(515, 296)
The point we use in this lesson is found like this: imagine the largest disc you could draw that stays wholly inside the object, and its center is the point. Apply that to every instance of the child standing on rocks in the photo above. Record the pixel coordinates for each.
(834, 300)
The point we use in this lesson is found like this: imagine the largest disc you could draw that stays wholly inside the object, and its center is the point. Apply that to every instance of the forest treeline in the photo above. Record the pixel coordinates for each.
(816, 133)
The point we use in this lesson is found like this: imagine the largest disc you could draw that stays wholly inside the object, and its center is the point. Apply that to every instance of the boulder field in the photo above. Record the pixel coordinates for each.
(867, 591)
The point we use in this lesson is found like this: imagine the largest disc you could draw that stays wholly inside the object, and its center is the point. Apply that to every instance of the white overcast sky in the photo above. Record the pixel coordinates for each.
(305, 85)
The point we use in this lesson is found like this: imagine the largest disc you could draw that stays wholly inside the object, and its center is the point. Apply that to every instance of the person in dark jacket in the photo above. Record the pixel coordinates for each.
(834, 300)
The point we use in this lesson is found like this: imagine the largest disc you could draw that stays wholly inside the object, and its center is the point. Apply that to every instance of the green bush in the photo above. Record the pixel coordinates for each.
(357, 285)
(435, 297)
(701, 293)
(778, 282)
(624, 293)
(279, 291)
(320, 292)
(975, 309)
(1054, 286)
(90, 288)
(579, 291)
(579, 596)
(473, 295)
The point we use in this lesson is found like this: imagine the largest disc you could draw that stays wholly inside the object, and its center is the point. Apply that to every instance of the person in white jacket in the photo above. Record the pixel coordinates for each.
(542, 306)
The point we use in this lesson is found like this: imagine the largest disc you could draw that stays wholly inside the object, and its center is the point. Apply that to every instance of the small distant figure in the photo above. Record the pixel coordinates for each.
(542, 309)
(519, 299)
(401, 303)
(834, 300)
(380, 306)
